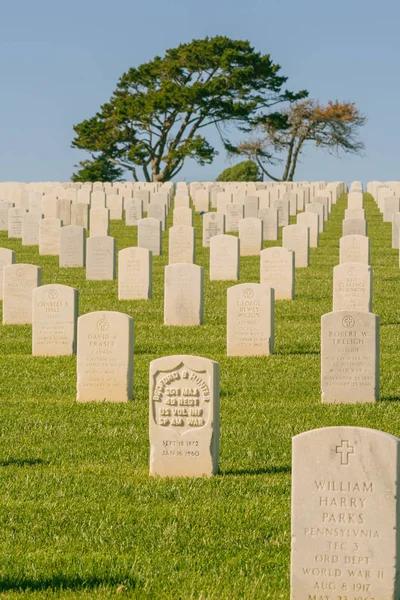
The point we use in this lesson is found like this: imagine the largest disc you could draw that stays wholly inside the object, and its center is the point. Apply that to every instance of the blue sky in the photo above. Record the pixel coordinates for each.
(61, 60)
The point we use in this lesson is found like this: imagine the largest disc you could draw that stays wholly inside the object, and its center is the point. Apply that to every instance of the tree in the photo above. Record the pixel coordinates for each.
(97, 169)
(333, 127)
(157, 115)
(246, 170)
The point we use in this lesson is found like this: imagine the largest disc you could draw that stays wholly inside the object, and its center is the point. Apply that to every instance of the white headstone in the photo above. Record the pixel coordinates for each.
(149, 235)
(55, 311)
(19, 281)
(7, 257)
(250, 320)
(182, 244)
(213, 224)
(251, 236)
(352, 287)
(345, 515)
(349, 357)
(72, 246)
(183, 295)
(224, 258)
(277, 271)
(134, 274)
(354, 248)
(105, 357)
(100, 258)
(184, 416)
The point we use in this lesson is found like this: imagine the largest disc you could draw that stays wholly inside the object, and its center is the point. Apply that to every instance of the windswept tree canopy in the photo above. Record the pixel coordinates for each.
(156, 117)
(334, 127)
(247, 170)
(97, 169)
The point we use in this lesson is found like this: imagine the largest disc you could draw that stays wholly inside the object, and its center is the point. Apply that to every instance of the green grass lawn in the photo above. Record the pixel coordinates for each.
(80, 517)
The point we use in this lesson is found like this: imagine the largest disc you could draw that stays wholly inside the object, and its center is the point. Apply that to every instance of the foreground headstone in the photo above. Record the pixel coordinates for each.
(352, 287)
(72, 246)
(100, 258)
(297, 239)
(349, 357)
(183, 295)
(277, 271)
(345, 515)
(49, 236)
(55, 311)
(250, 320)
(184, 416)
(354, 248)
(251, 236)
(19, 281)
(213, 224)
(182, 244)
(149, 235)
(105, 357)
(134, 274)
(7, 257)
(224, 258)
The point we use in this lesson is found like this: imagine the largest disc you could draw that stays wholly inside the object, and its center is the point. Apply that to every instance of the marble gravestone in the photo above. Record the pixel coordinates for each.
(80, 215)
(224, 258)
(251, 236)
(30, 229)
(354, 227)
(251, 207)
(354, 213)
(345, 515)
(349, 357)
(183, 295)
(277, 271)
(315, 207)
(105, 357)
(99, 221)
(183, 216)
(213, 224)
(72, 246)
(250, 320)
(234, 213)
(54, 315)
(100, 258)
(15, 216)
(391, 206)
(63, 211)
(354, 248)
(310, 220)
(115, 204)
(134, 274)
(19, 281)
(395, 230)
(149, 235)
(4, 208)
(184, 416)
(7, 257)
(182, 244)
(297, 239)
(269, 218)
(352, 287)
(98, 200)
(49, 236)
(157, 211)
(282, 206)
(133, 211)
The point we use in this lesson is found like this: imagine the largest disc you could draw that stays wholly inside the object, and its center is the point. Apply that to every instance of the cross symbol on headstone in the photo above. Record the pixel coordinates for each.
(344, 449)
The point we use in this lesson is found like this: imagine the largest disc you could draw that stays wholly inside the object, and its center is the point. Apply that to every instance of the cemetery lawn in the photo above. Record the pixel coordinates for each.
(80, 517)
